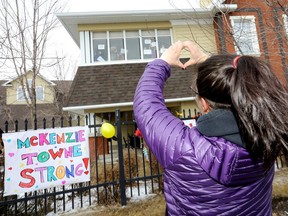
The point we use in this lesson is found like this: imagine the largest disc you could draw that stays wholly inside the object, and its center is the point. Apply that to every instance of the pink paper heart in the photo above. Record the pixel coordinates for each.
(63, 182)
(11, 154)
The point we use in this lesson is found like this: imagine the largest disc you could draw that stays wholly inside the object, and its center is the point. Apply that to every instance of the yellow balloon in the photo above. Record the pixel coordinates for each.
(107, 130)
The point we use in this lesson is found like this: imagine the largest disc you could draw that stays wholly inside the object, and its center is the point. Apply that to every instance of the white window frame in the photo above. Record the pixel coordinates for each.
(285, 22)
(169, 31)
(20, 90)
(253, 36)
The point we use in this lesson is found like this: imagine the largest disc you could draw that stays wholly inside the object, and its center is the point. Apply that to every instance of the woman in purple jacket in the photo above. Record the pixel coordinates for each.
(224, 165)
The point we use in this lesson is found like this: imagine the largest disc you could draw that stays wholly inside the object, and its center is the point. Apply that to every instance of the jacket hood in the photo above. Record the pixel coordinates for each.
(222, 153)
(220, 123)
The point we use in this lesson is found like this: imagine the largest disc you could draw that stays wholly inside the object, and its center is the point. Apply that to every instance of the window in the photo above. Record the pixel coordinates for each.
(245, 35)
(100, 47)
(285, 19)
(116, 42)
(39, 92)
(130, 45)
(149, 44)
(20, 94)
(164, 40)
(133, 45)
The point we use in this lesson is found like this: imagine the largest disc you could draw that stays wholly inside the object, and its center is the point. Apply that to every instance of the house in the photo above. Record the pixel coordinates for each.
(116, 45)
(258, 28)
(50, 96)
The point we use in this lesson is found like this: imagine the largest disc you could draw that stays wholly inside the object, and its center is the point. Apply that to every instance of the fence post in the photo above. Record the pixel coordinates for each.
(122, 179)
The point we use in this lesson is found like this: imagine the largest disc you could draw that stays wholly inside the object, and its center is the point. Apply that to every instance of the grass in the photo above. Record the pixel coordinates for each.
(155, 205)
(152, 206)
(280, 193)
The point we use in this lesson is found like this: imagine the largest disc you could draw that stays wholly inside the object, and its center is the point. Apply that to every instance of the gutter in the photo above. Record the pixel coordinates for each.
(117, 105)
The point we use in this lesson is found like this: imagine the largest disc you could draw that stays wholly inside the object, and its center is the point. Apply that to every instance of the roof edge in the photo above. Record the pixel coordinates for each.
(101, 106)
(130, 12)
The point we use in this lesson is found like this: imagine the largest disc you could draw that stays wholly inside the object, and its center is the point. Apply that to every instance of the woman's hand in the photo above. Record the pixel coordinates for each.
(197, 55)
(172, 54)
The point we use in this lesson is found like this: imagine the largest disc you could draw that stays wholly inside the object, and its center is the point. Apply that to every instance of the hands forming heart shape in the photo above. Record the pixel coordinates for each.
(172, 54)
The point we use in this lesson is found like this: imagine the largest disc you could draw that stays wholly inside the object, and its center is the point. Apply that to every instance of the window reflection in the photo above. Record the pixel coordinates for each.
(117, 51)
(245, 35)
(130, 45)
(149, 44)
(100, 47)
(164, 40)
(133, 45)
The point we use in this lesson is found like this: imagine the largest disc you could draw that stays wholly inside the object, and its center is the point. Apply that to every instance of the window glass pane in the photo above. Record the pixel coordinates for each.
(163, 32)
(116, 34)
(245, 36)
(246, 45)
(100, 50)
(39, 93)
(20, 95)
(149, 44)
(29, 81)
(243, 27)
(285, 17)
(149, 33)
(132, 34)
(117, 51)
(133, 45)
(133, 48)
(99, 35)
(136, 43)
(163, 42)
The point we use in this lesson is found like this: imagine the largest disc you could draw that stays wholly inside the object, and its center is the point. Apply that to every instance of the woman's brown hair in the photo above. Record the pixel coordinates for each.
(256, 96)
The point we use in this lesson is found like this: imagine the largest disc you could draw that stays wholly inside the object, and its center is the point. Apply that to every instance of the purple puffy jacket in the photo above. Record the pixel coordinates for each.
(204, 174)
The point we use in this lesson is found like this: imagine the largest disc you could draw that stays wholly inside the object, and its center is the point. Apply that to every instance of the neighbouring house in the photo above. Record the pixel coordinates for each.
(258, 28)
(50, 97)
(116, 46)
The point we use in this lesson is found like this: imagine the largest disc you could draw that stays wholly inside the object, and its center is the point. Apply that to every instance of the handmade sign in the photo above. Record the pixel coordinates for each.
(190, 122)
(47, 158)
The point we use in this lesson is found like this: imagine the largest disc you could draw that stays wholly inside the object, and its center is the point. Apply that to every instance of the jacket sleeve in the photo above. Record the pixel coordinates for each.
(163, 132)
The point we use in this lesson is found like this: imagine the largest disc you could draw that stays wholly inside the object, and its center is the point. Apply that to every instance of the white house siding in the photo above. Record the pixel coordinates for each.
(202, 33)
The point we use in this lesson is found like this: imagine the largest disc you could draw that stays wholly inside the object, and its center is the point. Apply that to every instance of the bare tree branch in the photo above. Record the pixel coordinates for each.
(25, 28)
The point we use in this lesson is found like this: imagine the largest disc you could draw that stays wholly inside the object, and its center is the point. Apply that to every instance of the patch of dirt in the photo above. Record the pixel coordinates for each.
(155, 205)
(280, 193)
(280, 206)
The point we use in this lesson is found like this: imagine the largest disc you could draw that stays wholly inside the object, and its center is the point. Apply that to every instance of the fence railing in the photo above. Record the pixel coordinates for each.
(120, 170)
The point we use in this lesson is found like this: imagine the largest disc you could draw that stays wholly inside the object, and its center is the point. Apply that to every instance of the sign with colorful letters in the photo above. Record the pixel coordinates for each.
(190, 122)
(47, 158)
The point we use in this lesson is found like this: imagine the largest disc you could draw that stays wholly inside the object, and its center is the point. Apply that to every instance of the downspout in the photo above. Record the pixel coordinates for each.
(218, 11)
(220, 33)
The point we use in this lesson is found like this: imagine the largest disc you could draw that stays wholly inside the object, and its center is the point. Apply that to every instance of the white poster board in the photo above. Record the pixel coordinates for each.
(190, 122)
(47, 158)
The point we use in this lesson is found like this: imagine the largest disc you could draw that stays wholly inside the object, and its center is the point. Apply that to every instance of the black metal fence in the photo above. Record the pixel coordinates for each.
(119, 171)
(121, 168)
